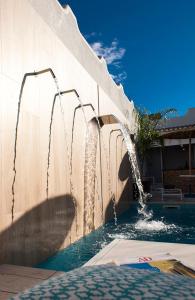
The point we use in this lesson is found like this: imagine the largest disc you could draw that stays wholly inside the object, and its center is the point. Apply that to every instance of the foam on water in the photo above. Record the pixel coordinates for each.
(104, 244)
(153, 225)
(145, 223)
(118, 236)
(124, 231)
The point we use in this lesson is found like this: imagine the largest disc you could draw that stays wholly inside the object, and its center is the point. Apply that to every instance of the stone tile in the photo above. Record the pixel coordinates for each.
(5, 295)
(26, 271)
(57, 274)
(16, 284)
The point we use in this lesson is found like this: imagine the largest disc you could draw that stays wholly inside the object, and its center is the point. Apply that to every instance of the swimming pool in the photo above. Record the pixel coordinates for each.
(170, 223)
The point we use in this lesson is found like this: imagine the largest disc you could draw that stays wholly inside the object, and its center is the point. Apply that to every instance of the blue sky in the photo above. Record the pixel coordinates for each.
(149, 46)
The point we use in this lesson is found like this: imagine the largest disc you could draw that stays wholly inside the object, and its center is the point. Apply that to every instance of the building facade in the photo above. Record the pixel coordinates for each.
(171, 163)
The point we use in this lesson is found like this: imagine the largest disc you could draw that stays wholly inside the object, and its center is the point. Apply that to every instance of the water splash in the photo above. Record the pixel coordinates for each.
(144, 212)
(145, 223)
(122, 235)
(152, 225)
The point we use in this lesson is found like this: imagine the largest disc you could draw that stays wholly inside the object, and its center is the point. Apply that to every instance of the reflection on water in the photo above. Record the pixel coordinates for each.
(176, 226)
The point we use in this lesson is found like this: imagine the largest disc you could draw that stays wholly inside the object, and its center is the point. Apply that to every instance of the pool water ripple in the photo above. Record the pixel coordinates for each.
(166, 225)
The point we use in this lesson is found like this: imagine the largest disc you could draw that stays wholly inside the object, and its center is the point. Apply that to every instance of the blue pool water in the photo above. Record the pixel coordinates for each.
(176, 225)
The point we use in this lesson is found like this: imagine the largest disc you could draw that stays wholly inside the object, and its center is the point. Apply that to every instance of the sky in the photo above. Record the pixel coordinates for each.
(149, 46)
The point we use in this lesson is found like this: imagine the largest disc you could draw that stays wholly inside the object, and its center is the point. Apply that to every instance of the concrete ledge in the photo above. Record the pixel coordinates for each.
(120, 250)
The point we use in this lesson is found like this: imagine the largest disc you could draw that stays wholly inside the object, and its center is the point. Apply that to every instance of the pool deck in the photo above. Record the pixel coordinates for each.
(120, 251)
(15, 279)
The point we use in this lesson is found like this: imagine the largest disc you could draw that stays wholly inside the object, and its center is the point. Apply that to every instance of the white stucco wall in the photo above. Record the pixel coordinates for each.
(36, 35)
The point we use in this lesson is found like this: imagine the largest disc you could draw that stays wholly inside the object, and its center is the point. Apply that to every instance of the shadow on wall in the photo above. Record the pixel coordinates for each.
(39, 233)
(126, 196)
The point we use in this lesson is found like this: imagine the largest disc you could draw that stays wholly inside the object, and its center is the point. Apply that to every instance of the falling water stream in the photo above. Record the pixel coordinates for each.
(70, 157)
(101, 141)
(91, 169)
(91, 179)
(58, 94)
(26, 75)
(111, 193)
(72, 142)
(50, 134)
(145, 222)
(135, 169)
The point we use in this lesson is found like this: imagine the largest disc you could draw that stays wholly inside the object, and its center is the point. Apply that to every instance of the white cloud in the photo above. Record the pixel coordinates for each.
(112, 54)
(87, 36)
(92, 34)
(120, 77)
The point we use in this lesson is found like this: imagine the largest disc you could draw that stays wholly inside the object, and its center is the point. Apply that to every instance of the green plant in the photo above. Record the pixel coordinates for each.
(148, 133)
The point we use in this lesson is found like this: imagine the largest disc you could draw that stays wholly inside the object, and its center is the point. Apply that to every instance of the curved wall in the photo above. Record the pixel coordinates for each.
(43, 154)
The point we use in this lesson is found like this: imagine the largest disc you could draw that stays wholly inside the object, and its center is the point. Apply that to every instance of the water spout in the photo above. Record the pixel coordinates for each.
(26, 75)
(60, 93)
